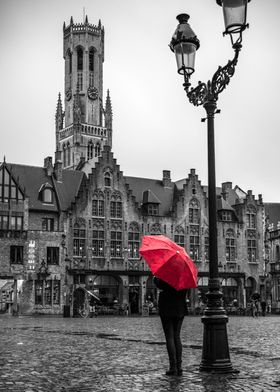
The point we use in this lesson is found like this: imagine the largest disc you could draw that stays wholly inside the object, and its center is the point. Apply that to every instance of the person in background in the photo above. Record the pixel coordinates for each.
(172, 309)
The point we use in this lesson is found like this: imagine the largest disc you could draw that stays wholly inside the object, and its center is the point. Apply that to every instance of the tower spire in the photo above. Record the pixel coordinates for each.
(109, 118)
(58, 120)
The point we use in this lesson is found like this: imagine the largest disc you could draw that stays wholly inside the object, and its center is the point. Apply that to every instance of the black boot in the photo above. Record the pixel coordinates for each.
(171, 372)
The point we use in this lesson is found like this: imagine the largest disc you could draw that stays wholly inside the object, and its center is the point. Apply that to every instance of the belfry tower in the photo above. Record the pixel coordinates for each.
(85, 126)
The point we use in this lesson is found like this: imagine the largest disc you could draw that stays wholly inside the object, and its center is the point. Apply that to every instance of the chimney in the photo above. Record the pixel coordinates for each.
(166, 180)
(226, 186)
(48, 166)
(58, 168)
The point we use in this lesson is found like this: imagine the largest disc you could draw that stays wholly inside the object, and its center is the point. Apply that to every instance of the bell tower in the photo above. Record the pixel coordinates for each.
(85, 130)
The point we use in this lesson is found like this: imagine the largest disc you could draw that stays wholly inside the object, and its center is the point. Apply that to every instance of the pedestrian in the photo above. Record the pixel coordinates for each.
(263, 306)
(172, 309)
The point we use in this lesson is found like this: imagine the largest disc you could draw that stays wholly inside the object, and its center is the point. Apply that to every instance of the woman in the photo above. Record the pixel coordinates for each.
(172, 309)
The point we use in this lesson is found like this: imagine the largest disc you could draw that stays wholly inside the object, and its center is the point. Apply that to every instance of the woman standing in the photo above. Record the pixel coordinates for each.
(172, 309)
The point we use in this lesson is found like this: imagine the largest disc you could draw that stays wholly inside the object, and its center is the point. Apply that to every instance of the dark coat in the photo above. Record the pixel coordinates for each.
(172, 303)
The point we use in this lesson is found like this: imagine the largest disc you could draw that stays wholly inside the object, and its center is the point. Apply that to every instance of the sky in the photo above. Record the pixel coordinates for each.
(155, 127)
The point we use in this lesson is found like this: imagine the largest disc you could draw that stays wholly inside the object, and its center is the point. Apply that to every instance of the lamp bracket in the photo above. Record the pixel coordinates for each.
(203, 92)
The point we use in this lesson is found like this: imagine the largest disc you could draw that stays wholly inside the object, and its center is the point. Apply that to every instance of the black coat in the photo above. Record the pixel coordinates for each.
(172, 303)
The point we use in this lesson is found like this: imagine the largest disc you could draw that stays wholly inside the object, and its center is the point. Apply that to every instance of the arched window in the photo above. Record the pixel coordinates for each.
(79, 240)
(133, 240)
(90, 150)
(47, 195)
(116, 241)
(156, 229)
(194, 242)
(98, 204)
(70, 62)
(194, 211)
(107, 179)
(64, 155)
(179, 236)
(251, 246)
(230, 246)
(68, 154)
(97, 149)
(91, 60)
(251, 217)
(80, 59)
(116, 206)
(98, 240)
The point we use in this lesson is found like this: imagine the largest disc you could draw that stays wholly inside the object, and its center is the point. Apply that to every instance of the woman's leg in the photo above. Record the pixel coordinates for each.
(177, 325)
(167, 324)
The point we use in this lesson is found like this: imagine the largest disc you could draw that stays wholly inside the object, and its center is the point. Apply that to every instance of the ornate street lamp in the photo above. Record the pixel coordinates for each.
(184, 43)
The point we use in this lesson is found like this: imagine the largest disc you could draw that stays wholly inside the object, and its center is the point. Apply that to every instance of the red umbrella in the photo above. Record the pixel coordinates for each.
(169, 261)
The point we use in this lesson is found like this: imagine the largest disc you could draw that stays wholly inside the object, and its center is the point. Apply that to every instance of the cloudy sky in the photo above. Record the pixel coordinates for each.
(155, 127)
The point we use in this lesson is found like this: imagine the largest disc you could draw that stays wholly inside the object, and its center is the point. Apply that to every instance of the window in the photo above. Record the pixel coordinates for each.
(194, 211)
(79, 59)
(252, 250)
(79, 246)
(153, 209)
(226, 216)
(98, 242)
(16, 222)
(53, 255)
(16, 254)
(48, 224)
(64, 155)
(68, 154)
(97, 152)
(116, 243)
(90, 150)
(133, 241)
(206, 248)
(47, 195)
(91, 83)
(4, 222)
(8, 188)
(80, 81)
(194, 242)
(230, 246)
(91, 60)
(47, 292)
(179, 236)
(107, 179)
(251, 217)
(70, 62)
(116, 207)
(98, 204)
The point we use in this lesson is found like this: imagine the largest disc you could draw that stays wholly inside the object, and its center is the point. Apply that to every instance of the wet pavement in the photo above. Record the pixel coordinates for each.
(111, 354)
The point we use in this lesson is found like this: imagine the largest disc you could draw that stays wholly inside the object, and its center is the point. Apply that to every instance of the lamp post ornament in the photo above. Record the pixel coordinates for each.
(184, 43)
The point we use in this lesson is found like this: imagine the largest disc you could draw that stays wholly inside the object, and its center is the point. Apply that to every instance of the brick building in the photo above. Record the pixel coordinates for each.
(71, 230)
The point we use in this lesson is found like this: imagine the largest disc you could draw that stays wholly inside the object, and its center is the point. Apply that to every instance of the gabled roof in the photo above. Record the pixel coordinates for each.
(272, 212)
(150, 197)
(222, 204)
(32, 178)
(157, 192)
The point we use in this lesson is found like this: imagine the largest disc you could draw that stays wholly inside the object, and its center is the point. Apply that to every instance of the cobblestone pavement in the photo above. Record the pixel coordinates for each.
(111, 354)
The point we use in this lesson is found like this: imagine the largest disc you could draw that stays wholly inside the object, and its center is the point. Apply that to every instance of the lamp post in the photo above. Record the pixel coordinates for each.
(184, 43)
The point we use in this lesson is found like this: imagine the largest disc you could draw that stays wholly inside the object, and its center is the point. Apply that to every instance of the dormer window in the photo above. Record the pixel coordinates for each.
(46, 194)
(153, 209)
(226, 216)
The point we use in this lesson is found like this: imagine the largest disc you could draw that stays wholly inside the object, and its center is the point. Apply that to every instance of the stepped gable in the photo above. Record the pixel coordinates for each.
(163, 195)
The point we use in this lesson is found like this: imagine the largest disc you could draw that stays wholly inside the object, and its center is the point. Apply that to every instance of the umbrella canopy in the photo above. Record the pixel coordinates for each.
(169, 262)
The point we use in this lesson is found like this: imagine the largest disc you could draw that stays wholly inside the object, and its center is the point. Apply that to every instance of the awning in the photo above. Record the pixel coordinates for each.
(93, 295)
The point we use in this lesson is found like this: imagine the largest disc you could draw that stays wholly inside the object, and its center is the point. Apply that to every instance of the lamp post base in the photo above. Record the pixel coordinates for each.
(215, 353)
